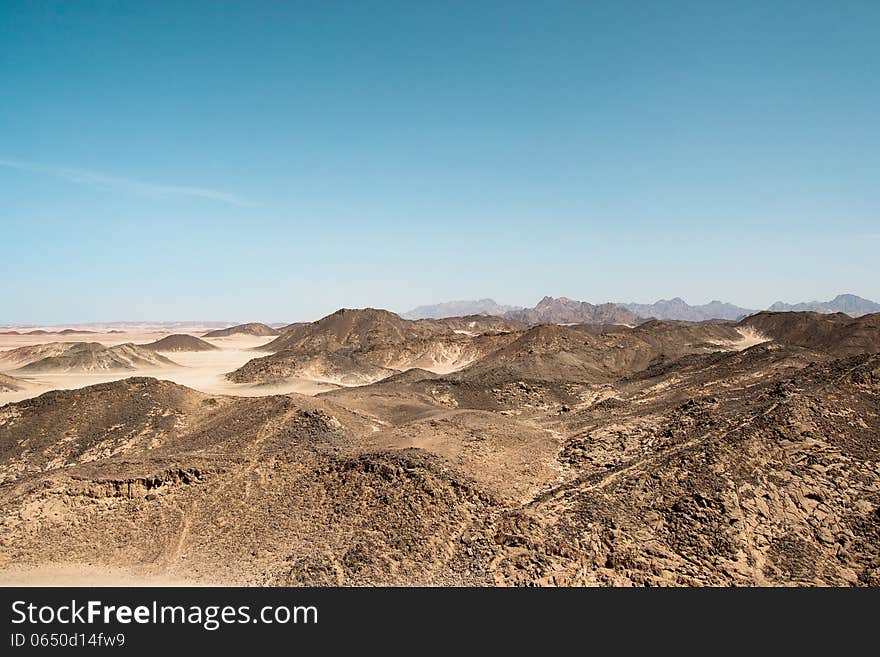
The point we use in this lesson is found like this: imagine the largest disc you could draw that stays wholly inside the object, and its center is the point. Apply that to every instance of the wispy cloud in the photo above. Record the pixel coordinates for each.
(106, 181)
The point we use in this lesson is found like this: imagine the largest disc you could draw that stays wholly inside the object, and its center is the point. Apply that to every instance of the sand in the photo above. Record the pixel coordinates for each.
(203, 371)
(750, 337)
(82, 575)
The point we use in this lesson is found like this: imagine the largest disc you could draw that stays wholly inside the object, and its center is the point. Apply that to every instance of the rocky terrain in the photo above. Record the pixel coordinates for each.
(253, 328)
(669, 453)
(81, 357)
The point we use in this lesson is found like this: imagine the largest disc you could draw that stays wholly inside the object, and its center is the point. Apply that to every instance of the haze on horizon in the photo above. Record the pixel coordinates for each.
(165, 162)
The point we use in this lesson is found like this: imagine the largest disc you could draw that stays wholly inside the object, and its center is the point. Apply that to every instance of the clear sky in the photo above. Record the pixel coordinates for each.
(277, 160)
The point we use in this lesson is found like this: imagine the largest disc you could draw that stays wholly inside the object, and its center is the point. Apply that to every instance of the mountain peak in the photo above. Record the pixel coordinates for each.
(850, 304)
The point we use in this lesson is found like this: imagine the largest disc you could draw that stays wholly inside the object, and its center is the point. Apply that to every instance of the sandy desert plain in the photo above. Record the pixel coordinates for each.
(201, 370)
(368, 449)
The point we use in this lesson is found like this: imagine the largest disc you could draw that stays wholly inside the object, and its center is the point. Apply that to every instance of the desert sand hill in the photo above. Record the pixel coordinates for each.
(80, 357)
(253, 328)
(180, 342)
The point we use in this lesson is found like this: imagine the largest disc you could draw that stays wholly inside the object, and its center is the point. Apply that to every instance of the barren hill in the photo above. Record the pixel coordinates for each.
(836, 334)
(561, 353)
(253, 328)
(361, 346)
(71, 331)
(367, 356)
(81, 357)
(180, 342)
(337, 367)
(350, 329)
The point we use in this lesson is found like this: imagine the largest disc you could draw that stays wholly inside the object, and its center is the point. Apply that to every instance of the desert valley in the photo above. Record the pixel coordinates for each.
(565, 444)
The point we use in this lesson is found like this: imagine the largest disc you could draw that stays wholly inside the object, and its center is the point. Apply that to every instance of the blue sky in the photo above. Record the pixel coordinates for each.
(278, 160)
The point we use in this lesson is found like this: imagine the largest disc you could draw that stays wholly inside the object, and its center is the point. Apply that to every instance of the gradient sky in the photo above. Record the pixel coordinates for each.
(277, 160)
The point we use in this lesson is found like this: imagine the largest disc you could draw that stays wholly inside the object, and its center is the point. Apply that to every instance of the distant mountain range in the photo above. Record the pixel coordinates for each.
(459, 309)
(678, 309)
(843, 303)
(567, 311)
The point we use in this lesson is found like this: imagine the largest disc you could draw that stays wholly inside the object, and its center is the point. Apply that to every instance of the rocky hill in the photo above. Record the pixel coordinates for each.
(353, 347)
(180, 342)
(253, 328)
(562, 353)
(836, 334)
(351, 329)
